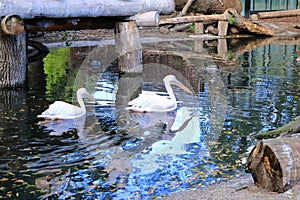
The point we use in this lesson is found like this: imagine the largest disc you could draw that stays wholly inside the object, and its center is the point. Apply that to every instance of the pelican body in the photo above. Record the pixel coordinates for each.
(153, 102)
(63, 110)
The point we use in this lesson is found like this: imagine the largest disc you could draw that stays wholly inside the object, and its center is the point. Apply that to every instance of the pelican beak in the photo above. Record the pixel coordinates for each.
(87, 95)
(179, 84)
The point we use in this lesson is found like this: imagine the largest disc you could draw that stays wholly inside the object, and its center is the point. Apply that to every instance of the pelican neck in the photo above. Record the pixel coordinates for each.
(170, 91)
(81, 102)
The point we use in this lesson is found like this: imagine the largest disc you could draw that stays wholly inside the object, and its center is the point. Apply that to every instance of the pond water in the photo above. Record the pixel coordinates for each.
(114, 154)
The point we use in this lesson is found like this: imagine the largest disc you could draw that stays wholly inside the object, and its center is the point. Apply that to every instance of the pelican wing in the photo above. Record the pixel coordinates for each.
(152, 103)
(62, 109)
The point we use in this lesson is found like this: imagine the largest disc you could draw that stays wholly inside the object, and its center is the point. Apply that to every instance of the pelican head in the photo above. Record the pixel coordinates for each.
(83, 93)
(171, 79)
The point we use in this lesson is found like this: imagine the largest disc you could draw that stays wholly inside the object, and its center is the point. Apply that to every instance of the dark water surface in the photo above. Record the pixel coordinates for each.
(114, 154)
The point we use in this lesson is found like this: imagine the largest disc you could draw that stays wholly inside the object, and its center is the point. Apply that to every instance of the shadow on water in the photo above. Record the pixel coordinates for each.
(239, 90)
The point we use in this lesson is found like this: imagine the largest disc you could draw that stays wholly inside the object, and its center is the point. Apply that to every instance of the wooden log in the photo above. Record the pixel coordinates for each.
(83, 8)
(12, 24)
(247, 24)
(181, 27)
(185, 8)
(128, 47)
(275, 163)
(229, 15)
(290, 128)
(198, 18)
(12, 60)
(146, 18)
(276, 14)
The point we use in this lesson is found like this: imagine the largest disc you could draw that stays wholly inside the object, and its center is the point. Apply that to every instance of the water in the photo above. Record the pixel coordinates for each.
(114, 154)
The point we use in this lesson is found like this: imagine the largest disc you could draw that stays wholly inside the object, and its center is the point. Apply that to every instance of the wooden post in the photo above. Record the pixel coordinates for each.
(128, 47)
(274, 163)
(129, 85)
(12, 60)
(199, 28)
(222, 47)
(222, 28)
(198, 46)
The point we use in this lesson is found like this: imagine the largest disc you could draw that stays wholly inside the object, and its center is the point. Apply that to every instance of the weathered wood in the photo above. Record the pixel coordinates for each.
(290, 128)
(198, 18)
(12, 60)
(211, 29)
(83, 8)
(275, 14)
(248, 25)
(199, 28)
(128, 47)
(274, 163)
(222, 28)
(12, 24)
(146, 18)
(229, 15)
(181, 27)
(185, 8)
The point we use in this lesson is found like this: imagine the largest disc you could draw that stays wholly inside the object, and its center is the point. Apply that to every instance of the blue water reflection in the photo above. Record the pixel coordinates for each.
(114, 154)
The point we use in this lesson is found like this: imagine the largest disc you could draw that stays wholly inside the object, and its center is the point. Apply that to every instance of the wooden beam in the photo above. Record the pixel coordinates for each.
(62, 24)
(81, 23)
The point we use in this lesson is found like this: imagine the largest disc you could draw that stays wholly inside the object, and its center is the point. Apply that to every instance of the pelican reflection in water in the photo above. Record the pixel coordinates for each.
(149, 101)
(63, 110)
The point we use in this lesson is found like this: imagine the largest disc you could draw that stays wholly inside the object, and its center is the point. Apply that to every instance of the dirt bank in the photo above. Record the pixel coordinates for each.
(235, 189)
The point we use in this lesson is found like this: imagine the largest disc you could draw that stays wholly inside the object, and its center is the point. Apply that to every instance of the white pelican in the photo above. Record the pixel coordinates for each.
(153, 102)
(63, 110)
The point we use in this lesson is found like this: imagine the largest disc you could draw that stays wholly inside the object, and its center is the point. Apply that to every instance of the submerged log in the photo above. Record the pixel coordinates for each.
(274, 163)
(290, 128)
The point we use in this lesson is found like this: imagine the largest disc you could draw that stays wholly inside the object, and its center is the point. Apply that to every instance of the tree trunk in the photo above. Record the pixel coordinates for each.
(12, 60)
(274, 163)
(210, 7)
(83, 8)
